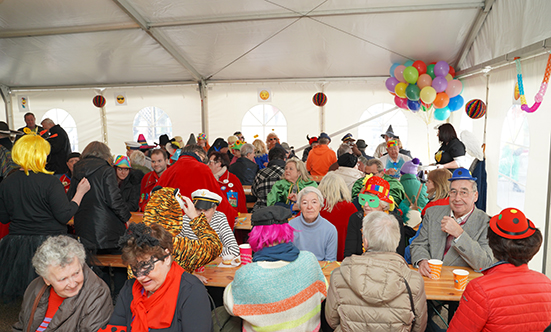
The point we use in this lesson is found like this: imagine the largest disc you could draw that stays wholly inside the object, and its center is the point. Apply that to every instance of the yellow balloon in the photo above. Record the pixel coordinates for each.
(400, 89)
(449, 77)
(428, 94)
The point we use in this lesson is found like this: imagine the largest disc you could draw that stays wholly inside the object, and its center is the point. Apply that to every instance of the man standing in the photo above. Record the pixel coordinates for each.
(321, 157)
(245, 167)
(454, 233)
(159, 162)
(267, 177)
(394, 160)
(61, 147)
(6, 163)
(31, 126)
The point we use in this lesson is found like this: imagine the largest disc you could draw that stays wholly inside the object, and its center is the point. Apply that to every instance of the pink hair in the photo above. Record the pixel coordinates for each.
(268, 235)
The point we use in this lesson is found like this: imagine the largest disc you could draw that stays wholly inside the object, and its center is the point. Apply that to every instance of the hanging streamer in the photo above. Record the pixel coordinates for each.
(543, 88)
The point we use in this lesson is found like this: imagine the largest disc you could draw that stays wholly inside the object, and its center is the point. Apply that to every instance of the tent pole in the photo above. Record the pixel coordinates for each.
(5, 92)
(322, 115)
(203, 92)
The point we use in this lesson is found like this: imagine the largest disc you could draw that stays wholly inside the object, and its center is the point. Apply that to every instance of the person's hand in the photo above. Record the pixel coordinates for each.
(424, 268)
(83, 186)
(203, 279)
(265, 164)
(390, 171)
(292, 197)
(189, 208)
(450, 226)
(356, 151)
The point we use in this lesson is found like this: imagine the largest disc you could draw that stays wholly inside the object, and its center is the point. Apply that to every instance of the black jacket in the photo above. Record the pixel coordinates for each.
(130, 189)
(61, 147)
(245, 170)
(101, 217)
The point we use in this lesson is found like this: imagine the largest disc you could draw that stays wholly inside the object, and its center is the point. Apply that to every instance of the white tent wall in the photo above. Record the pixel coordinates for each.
(182, 104)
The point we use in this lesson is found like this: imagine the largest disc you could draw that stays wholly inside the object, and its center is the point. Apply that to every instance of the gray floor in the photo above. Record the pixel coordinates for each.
(9, 315)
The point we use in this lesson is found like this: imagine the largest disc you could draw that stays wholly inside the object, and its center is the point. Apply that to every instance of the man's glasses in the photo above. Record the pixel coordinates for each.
(462, 193)
(144, 268)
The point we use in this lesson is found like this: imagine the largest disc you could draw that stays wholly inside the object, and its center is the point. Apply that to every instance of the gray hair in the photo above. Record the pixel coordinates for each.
(375, 161)
(381, 231)
(362, 160)
(48, 121)
(473, 184)
(308, 190)
(246, 149)
(59, 251)
(344, 148)
(137, 158)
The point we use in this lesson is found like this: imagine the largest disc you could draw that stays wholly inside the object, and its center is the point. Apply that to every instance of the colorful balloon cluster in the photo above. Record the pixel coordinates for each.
(416, 86)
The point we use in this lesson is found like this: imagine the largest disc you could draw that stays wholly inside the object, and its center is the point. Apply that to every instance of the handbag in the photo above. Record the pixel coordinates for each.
(413, 216)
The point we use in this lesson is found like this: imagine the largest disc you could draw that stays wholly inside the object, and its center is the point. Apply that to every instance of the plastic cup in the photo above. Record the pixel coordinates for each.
(246, 253)
(460, 279)
(435, 268)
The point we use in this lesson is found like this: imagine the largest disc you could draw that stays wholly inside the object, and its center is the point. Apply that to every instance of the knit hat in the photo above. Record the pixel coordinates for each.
(122, 162)
(324, 135)
(202, 136)
(512, 224)
(461, 174)
(271, 215)
(391, 143)
(379, 187)
(361, 144)
(347, 137)
(389, 133)
(410, 167)
(73, 155)
(205, 199)
(347, 160)
(143, 143)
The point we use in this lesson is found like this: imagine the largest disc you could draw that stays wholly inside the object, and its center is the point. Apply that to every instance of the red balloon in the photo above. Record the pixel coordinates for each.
(401, 102)
(420, 66)
(442, 100)
(452, 71)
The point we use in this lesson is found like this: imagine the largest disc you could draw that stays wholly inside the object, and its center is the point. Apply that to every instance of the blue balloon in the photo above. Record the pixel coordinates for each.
(392, 69)
(414, 105)
(456, 103)
(408, 63)
(441, 114)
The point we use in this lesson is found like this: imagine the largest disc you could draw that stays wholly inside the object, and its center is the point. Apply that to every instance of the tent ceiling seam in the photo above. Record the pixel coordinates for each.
(475, 29)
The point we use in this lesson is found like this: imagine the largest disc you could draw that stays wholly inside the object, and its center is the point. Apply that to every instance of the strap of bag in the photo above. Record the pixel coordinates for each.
(412, 204)
(410, 301)
(35, 305)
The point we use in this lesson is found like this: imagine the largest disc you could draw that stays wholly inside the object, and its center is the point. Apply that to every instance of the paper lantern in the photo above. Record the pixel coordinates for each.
(475, 109)
(319, 99)
(99, 101)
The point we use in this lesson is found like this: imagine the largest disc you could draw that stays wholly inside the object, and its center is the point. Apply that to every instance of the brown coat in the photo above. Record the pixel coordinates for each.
(368, 293)
(89, 310)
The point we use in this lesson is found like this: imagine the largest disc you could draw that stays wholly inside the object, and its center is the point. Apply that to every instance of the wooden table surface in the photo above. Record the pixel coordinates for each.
(243, 221)
(442, 289)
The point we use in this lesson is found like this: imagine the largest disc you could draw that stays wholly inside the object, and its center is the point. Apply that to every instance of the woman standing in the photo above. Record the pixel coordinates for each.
(338, 207)
(229, 183)
(260, 153)
(129, 181)
(285, 191)
(451, 154)
(35, 204)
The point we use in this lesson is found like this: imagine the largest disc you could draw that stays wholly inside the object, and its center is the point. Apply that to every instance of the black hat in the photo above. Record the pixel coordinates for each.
(389, 133)
(5, 129)
(347, 160)
(73, 155)
(361, 144)
(163, 139)
(271, 215)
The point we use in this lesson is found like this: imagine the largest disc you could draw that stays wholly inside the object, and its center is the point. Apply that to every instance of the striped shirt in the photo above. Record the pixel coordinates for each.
(220, 225)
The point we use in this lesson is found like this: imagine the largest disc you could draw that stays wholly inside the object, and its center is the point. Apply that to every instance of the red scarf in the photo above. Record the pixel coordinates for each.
(156, 311)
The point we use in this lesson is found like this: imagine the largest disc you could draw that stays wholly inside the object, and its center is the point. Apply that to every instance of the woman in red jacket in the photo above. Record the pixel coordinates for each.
(338, 207)
(509, 297)
(229, 183)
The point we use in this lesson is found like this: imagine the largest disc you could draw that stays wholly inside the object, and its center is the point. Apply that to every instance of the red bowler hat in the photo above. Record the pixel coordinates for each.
(512, 224)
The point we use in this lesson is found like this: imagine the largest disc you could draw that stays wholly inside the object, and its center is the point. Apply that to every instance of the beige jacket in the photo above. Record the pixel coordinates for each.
(368, 293)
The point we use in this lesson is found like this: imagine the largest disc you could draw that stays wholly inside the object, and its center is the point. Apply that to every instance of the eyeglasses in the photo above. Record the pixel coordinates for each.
(144, 268)
(273, 139)
(462, 193)
(212, 162)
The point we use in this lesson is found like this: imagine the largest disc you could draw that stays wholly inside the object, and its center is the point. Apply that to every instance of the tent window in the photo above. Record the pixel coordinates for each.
(372, 130)
(152, 122)
(261, 120)
(66, 121)
(513, 159)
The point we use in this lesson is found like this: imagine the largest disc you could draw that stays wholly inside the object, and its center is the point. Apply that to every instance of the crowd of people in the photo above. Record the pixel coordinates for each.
(376, 214)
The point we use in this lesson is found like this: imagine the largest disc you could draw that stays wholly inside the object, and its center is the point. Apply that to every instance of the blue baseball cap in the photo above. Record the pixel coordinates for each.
(461, 174)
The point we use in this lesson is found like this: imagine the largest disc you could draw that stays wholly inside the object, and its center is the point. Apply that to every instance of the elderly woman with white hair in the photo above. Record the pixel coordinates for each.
(377, 290)
(67, 295)
(314, 233)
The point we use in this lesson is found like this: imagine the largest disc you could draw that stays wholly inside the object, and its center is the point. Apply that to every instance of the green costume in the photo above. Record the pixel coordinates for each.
(396, 188)
(282, 188)
(411, 184)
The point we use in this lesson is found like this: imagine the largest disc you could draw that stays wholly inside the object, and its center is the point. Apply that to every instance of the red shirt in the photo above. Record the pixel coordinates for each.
(230, 185)
(54, 301)
(339, 217)
(149, 181)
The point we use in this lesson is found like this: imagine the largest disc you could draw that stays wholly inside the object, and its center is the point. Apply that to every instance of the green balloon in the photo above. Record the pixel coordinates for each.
(430, 71)
(411, 74)
(412, 92)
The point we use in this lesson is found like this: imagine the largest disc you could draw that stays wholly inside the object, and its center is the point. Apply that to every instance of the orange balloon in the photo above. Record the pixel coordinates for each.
(424, 80)
(442, 100)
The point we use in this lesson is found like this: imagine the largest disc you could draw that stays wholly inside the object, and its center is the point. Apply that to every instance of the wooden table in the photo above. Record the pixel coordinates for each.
(243, 222)
(442, 289)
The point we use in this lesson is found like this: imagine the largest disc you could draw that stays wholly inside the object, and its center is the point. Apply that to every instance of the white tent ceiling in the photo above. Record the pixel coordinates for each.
(108, 42)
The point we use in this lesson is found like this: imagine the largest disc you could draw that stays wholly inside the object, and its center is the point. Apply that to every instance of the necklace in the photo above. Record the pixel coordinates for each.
(543, 88)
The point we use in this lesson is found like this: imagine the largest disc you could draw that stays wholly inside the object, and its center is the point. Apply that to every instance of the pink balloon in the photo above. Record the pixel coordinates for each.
(401, 102)
(454, 88)
(424, 80)
(399, 73)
